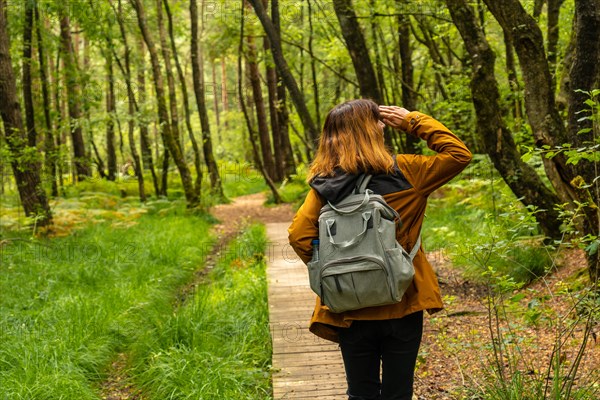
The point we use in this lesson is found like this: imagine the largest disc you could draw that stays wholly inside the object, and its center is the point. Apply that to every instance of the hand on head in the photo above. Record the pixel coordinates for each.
(393, 115)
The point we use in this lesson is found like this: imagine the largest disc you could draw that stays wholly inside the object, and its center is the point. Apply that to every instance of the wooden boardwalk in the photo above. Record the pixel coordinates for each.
(306, 367)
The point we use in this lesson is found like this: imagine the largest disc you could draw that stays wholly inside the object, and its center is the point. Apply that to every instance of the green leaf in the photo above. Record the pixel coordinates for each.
(584, 130)
(518, 297)
(526, 157)
(592, 248)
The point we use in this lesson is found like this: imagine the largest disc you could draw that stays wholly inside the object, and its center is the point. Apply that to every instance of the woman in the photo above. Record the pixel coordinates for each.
(352, 143)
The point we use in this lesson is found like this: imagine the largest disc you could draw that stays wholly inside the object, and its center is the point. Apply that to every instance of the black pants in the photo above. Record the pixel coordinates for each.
(393, 343)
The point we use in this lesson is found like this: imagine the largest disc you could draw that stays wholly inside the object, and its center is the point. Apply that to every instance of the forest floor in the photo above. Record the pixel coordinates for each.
(456, 352)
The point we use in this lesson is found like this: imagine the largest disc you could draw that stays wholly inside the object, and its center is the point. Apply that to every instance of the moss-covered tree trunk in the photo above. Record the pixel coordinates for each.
(497, 139)
(583, 132)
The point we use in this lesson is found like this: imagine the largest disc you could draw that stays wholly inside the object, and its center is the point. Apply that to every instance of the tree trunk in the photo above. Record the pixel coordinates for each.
(284, 70)
(26, 170)
(498, 141)
(552, 36)
(163, 114)
(186, 104)
(111, 153)
(271, 77)
(546, 123)
(172, 94)
(289, 166)
(261, 114)
(82, 164)
(198, 78)
(583, 133)
(49, 148)
(99, 161)
(355, 42)
(145, 144)
(132, 106)
(513, 81)
(313, 68)
(27, 93)
(357, 47)
(258, 162)
(409, 95)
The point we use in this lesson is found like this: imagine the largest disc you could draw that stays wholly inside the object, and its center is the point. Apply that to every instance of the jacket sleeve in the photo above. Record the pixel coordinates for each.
(305, 226)
(427, 173)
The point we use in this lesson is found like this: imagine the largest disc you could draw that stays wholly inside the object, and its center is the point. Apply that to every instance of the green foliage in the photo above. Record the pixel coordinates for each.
(217, 344)
(293, 190)
(240, 178)
(464, 219)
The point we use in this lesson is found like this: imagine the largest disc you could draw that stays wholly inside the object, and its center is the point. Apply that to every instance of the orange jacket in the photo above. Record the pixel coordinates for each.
(425, 174)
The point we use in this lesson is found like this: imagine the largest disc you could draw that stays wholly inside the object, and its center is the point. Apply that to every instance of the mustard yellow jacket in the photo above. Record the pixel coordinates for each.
(424, 174)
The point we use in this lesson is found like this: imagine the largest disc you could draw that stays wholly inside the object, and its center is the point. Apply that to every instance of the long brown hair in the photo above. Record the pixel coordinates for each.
(352, 141)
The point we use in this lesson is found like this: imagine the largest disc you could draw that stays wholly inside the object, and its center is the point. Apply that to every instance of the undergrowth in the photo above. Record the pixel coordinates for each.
(476, 206)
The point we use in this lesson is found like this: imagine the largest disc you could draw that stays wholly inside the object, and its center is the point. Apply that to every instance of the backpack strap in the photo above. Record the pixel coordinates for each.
(361, 184)
(415, 248)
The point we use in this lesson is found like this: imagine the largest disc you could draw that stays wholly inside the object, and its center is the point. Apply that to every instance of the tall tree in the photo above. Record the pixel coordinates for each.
(199, 90)
(81, 161)
(259, 106)
(186, 103)
(359, 53)
(286, 153)
(246, 114)
(271, 77)
(497, 139)
(284, 70)
(542, 114)
(193, 200)
(49, 148)
(145, 145)
(131, 108)
(25, 168)
(172, 93)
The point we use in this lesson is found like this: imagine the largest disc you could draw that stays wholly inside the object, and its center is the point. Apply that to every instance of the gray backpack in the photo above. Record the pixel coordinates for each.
(358, 262)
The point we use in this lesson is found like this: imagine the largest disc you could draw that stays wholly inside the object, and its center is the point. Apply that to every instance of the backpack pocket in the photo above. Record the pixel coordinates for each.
(355, 282)
(314, 276)
(401, 269)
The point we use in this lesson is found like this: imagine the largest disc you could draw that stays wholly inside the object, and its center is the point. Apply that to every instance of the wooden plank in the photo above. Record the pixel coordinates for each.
(306, 367)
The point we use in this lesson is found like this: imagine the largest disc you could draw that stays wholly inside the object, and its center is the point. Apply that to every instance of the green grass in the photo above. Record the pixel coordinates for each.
(69, 304)
(216, 346)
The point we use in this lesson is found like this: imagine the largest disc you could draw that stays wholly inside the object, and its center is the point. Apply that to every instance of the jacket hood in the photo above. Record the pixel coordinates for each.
(335, 188)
